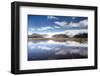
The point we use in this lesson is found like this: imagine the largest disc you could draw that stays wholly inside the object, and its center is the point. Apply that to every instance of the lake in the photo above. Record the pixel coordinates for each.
(53, 50)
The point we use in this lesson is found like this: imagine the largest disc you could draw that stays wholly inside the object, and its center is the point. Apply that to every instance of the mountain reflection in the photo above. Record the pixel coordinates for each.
(55, 49)
(79, 41)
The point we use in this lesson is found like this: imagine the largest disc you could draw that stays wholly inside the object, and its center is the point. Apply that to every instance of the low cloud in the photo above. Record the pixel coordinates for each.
(74, 32)
(82, 23)
(62, 23)
(56, 27)
(45, 28)
(30, 31)
(52, 17)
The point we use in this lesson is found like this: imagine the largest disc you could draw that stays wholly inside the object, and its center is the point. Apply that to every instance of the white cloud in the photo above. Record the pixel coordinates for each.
(62, 23)
(68, 32)
(82, 23)
(74, 32)
(56, 26)
(29, 33)
(31, 30)
(52, 17)
(73, 24)
(45, 28)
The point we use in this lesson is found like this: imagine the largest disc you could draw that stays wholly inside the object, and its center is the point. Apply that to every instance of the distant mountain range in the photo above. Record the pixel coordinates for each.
(35, 35)
(79, 35)
(60, 36)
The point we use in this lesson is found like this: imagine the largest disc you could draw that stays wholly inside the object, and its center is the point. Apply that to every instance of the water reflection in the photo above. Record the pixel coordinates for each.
(51, 49)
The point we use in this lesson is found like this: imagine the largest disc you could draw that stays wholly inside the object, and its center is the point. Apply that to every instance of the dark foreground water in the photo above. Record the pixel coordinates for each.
(50, 50)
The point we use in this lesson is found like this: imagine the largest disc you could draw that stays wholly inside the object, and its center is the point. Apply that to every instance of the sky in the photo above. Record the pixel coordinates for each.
(46, 24)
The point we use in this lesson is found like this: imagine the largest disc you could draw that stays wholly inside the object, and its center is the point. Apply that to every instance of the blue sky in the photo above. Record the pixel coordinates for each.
(55, 24)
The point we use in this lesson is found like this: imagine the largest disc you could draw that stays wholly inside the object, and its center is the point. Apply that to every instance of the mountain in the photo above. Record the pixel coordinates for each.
(81, 35)
(60, 36)
(35, 35)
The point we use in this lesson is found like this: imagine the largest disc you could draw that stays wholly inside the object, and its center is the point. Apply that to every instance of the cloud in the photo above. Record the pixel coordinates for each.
(82, 23)
(73, 24)
(74, 32)
(45, 28)
(56, 26)
(52, 17)
(30, 30)
(62, 23)
(29, 33)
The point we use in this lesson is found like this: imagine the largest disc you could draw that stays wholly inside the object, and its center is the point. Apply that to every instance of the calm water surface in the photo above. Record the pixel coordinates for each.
(51, 50)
